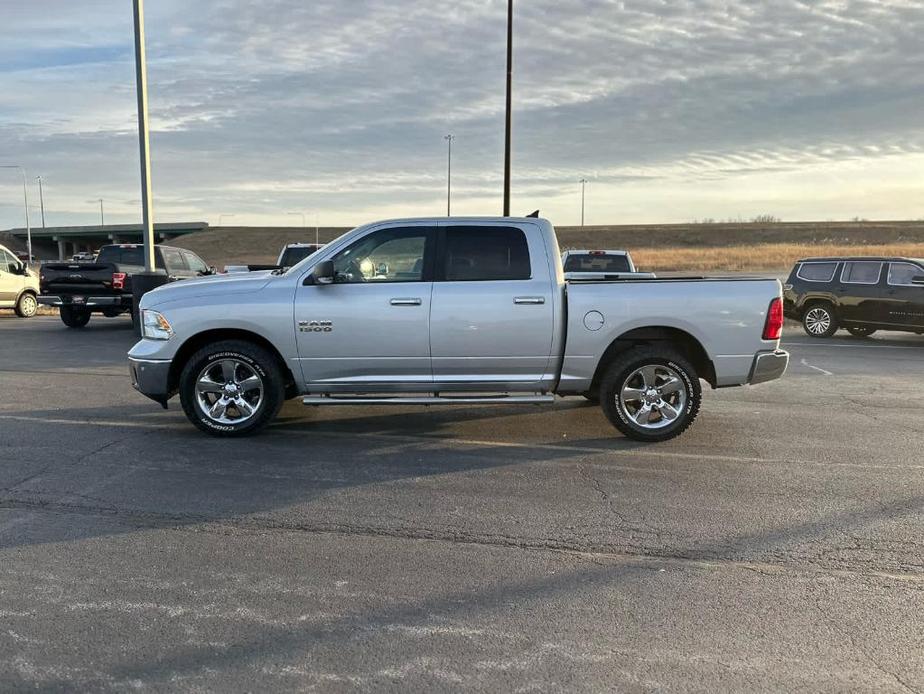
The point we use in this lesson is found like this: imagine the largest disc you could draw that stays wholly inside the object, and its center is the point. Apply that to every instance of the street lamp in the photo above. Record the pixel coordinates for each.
(317, 230)
(102, 217)
(509, 105)
(41, 199)
(25, 198)
(449, 138)
(583, 183)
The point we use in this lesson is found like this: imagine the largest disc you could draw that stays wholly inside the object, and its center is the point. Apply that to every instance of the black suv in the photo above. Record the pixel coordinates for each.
(862, 295)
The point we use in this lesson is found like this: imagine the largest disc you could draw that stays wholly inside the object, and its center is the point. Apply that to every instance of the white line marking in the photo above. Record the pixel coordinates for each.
(817, 368)
(870, 346)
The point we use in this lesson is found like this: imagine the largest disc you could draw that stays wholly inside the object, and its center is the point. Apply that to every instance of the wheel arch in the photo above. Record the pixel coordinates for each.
(206, 337)
(679, 339)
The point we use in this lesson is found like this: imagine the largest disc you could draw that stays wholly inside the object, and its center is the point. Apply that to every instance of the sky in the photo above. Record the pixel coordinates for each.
(673, 110)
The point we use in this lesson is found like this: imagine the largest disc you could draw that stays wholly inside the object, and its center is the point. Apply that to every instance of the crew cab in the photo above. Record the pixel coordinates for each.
(19, 285)
(861, 294)
(104, 286)
(452, 310)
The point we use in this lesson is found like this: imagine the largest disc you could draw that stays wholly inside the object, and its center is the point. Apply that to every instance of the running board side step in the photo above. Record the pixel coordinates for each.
(428, 400)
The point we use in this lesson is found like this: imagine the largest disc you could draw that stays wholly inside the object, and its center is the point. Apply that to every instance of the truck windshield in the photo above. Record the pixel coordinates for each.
(585, 262)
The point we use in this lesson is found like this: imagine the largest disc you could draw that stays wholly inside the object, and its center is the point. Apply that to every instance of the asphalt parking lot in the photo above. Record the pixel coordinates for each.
(778, 545)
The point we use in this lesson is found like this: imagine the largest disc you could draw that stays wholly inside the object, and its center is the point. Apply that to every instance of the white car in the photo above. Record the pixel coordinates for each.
(600, 265)
(19, 286)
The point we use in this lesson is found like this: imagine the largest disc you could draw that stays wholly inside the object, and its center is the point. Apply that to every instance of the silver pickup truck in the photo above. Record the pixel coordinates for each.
(452, 310)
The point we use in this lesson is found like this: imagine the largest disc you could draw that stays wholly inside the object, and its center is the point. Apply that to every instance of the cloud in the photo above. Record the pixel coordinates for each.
(263, 108)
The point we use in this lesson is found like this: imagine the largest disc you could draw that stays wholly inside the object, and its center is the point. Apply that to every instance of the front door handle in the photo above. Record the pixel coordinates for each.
(529, 299)
(407, 301)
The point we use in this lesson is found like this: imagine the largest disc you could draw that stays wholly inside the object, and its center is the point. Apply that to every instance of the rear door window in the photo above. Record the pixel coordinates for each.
(861, 272)
(485, 253)
(817, 272)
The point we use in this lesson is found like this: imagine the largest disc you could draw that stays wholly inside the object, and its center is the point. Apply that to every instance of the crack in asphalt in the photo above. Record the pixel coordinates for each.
(187, 522)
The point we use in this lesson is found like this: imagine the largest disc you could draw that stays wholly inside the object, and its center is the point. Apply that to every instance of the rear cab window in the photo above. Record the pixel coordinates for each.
(861, 272)
(122, 255)
(482, 253)
(587, 262)
(816, 272)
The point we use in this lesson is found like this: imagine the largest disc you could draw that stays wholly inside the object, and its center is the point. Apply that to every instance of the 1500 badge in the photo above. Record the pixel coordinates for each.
(315, 326)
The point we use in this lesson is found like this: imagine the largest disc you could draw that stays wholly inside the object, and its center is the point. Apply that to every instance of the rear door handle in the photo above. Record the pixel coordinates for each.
(529, 299)
(407, 301)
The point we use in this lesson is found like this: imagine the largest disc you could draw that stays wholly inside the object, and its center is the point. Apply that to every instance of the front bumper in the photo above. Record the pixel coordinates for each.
(87, 301)
(151, 377)
(768, 366)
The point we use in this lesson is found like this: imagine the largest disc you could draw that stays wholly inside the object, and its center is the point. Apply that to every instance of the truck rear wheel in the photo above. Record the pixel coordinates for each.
(650, 393)
(74, 317)
(231, 388)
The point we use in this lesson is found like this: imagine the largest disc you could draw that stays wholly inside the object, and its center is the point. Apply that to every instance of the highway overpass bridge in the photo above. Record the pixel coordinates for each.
(63, 242)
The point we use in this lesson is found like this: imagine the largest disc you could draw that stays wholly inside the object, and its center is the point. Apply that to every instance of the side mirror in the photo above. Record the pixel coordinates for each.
(917, 279)
(323, 273)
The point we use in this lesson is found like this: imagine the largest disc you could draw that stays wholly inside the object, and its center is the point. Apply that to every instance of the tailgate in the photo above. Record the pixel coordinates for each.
(76, 278)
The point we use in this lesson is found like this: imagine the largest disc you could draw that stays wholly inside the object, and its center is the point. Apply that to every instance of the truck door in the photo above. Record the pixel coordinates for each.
(904, 299)
(10, 283)
(491, 322)
(859, 293)
(370, 329)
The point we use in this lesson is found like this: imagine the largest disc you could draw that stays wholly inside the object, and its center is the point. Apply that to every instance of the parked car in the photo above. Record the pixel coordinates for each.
(83, 257)
(105, 285)
(291, 254)
(434, 311)
(860, 294)
(19, 286)
(601, 265)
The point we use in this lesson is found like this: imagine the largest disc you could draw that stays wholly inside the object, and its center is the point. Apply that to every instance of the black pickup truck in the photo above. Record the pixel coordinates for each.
(105, 286)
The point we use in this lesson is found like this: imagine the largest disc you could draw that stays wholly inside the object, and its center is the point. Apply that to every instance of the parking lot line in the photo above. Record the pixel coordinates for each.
(866, 346)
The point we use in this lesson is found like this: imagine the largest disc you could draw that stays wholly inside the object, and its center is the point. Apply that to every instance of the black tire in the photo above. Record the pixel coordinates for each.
(74, 317)
(860, 331)
(112, 312)
(623, 372)
(254, 359)
(819, 320)
(27, 306)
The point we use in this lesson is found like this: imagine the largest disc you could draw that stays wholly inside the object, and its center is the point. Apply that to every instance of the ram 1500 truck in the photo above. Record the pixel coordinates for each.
(452, 310)
(104, 285)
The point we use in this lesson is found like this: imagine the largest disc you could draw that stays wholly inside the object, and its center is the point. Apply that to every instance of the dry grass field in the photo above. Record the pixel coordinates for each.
(741, 246)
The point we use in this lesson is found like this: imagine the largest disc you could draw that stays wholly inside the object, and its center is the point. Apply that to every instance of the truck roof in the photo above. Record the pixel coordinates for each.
(860, 258)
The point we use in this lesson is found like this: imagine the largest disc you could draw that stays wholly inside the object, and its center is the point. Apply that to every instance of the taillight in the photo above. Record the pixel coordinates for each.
(118, 280)
(773, 328)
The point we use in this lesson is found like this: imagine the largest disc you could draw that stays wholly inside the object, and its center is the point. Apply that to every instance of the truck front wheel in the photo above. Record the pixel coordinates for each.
(74, 317)
(650, 393)
(231, 388)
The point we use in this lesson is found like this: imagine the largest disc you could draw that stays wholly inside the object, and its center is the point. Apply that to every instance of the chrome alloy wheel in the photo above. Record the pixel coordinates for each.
(229, 391)
(817, 321)
(653, 396)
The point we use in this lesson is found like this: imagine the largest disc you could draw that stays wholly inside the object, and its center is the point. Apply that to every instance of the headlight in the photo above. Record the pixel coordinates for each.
(155, 326)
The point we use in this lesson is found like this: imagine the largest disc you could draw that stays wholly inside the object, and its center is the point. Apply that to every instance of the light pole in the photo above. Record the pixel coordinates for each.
(222, 216)
(102, 217)
(41, 199)
(449, 138)
(144, 139)
(317, 231)
(583, 183)
(25, 199)
(509, 105)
